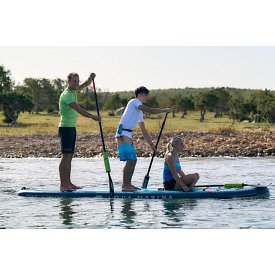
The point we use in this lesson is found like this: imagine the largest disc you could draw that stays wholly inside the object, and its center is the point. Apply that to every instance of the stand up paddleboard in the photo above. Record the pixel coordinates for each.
(220, 192)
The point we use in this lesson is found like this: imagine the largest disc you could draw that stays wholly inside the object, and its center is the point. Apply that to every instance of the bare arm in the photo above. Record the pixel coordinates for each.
(87, 82)
(146, 136)
(181, 173)
(83, 112)
(152, 110)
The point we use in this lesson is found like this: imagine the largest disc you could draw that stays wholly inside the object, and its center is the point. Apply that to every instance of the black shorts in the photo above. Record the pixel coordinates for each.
(169, 185)
(67, 137)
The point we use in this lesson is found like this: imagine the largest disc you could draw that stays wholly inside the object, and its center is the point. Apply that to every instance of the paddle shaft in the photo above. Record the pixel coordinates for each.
(146, 179)
(230, 185)
(105, 153)
(100, 125)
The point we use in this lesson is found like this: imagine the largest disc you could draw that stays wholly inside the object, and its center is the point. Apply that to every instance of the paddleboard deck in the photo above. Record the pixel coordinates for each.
(154, 193)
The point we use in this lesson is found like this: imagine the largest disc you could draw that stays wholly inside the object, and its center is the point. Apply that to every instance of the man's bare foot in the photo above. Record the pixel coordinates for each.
(136, 188)
(66, 187)
(129, 188)
(74, 186)
(69, 187)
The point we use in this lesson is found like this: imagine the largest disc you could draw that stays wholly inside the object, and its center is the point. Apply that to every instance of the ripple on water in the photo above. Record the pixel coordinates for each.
(20, 212)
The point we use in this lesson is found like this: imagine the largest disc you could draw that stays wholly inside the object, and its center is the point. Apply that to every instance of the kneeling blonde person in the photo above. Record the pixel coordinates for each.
(173, 176)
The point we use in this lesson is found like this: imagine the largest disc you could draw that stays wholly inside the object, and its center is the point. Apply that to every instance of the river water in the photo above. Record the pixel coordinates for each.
(24, 213)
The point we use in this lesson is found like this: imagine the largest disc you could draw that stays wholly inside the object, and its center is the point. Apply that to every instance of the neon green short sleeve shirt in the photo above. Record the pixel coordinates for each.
(68, 115)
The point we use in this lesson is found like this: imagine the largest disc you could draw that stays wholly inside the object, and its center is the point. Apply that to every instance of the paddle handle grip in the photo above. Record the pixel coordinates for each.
(233, 185)
(106, 161)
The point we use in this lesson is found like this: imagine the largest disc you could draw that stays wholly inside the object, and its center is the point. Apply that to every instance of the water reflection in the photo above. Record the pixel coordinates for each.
(112, 201)
(146, 206)
(177, 209)
(141, 213)
(128, 212)
(66, 211)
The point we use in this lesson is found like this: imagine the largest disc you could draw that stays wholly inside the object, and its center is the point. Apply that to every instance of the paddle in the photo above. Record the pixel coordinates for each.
(231, 185)
(146, 178)
(105, 153)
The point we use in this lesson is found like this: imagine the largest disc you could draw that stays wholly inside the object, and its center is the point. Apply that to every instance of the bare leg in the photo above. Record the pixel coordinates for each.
(189, 180)
(70, 168)
(65, 173)
(128, 172)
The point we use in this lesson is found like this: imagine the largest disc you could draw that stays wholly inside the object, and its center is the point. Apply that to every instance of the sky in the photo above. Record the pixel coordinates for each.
(120, 68)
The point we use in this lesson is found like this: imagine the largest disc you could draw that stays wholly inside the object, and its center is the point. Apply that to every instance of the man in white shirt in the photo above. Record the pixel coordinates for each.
(131, 117)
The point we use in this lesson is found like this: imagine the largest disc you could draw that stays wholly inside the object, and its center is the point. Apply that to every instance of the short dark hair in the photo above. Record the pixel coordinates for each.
(141, 90)
(70, 75)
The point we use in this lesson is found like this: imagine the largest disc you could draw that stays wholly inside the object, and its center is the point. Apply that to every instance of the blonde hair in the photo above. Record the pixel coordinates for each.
(171, 144)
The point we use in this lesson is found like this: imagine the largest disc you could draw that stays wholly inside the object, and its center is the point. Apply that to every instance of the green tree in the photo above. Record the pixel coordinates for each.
(201, 104)
(152, 101)
(43, 92)
(221, 103)
(113, 103)
(264, 102)
(31, 88)
(124, 101)
(50, 96)
(6, 83)
(185, 104)
(174, 103)
(86, 100)
(239, 108)
(206, 101)
(59, 86)
(13, 104)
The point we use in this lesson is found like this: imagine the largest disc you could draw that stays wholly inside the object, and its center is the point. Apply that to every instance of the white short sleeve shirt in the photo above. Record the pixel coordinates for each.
(131, 117)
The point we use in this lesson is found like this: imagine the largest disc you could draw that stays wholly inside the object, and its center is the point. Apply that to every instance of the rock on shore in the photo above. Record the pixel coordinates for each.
(199, 144)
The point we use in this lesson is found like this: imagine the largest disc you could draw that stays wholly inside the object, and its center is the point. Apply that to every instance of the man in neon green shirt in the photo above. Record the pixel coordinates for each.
(69, 110)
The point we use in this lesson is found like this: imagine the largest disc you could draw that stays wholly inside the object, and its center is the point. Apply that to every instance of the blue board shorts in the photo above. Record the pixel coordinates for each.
(126, 151)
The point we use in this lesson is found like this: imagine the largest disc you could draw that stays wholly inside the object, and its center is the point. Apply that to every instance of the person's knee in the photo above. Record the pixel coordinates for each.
(66, 158)
(131, 163)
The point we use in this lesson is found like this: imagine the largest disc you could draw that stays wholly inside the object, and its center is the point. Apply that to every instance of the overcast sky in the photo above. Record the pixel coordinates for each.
(157, 44)
(121, 68)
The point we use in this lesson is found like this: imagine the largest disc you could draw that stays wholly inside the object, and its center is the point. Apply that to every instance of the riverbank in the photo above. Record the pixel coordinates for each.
(197, 144)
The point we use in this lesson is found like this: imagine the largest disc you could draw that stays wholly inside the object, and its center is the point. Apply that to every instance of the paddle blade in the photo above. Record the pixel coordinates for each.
(145, 182)
(111, 186)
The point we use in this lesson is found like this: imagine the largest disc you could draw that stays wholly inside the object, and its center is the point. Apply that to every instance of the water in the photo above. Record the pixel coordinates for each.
(24, 213)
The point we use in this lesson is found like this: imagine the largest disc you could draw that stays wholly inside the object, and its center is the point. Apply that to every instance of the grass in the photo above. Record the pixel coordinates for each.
(28, 124)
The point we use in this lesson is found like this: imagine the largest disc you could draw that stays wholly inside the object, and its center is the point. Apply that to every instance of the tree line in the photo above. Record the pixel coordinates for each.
(35, 95)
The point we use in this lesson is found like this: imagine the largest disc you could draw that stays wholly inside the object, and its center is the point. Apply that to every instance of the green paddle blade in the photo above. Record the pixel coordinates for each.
(234, 185)
(106, 161)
